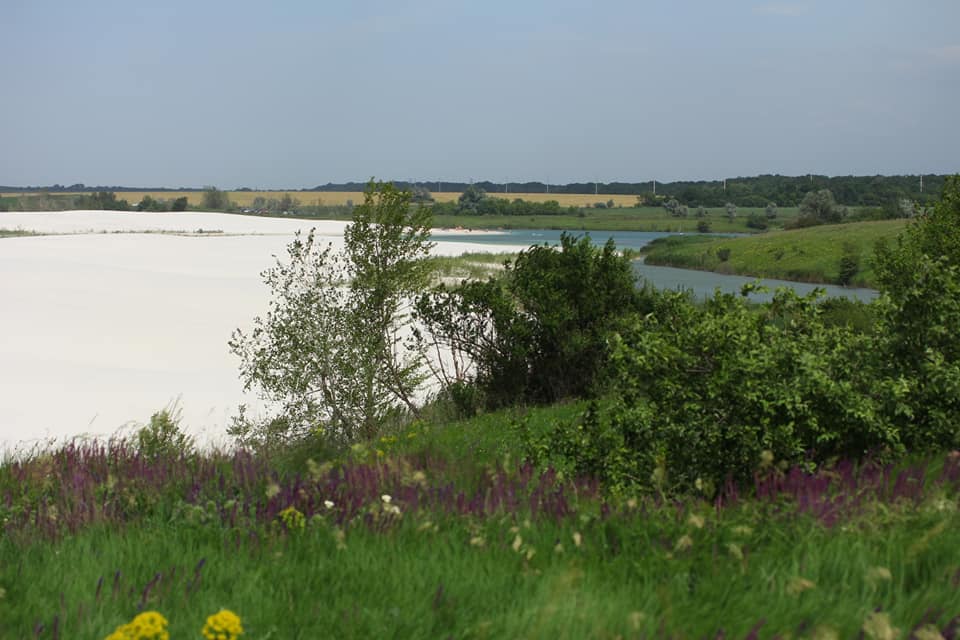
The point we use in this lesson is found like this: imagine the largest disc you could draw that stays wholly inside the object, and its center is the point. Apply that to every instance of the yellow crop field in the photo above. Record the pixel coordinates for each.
(313, 198)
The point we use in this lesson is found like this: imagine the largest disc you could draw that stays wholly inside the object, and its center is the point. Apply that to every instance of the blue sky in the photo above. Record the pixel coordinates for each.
(292, 94)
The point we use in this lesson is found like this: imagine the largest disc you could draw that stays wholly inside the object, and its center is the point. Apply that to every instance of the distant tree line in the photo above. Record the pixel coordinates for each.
(757, 191)
(475, 201)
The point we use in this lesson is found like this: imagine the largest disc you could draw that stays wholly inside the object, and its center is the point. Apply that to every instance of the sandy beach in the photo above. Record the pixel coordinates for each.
(121, 316)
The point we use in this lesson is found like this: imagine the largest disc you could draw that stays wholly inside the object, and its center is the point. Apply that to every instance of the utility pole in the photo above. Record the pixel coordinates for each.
(654, 186)
(724, 185)
(596, 188)
(921, 183)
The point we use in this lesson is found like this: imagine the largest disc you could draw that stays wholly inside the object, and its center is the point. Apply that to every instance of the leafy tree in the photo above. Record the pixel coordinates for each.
(287, 203)
(103, 200)
(421, 195)
(215, 200)
(919, 315)
(471, 199)
(757, 221)
(179, 204)
(731, 210)
(539, 333)
(819, 207)
(332, 348)
(771, 210)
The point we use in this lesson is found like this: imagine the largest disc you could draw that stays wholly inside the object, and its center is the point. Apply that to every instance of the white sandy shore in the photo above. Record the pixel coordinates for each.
(99, 330)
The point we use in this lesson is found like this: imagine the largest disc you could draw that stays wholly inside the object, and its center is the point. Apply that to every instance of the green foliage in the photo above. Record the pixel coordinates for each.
(162, 436)
(471, 199)
(705, 390)
(757, 221)
(102, 200)
(538, 333)
(849, 264)
(703, 226)
(215, 200)
(710, 393)
(919, 316)
(334, 348)
(811, 254)
(820, 207)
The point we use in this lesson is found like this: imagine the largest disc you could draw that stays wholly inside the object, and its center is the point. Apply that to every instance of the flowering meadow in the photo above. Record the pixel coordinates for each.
(441, 531)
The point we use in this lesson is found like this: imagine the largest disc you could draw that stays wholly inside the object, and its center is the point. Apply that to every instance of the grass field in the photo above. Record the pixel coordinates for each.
(810, 255)
(618, 219)
(439, 531)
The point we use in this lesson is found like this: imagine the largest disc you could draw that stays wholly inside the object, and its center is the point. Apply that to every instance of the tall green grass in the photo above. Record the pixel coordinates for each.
(437, 530)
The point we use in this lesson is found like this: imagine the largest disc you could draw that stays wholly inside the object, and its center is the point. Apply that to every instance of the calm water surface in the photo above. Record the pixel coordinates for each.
(702, 283)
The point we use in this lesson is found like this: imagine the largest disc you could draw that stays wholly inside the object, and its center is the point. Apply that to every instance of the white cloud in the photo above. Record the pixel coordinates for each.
(789, 9)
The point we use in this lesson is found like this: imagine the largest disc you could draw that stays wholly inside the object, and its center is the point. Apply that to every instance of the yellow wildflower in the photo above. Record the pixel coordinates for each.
(577, 538)
(292, 519)
(223, 625)
(148, 625)
(696, 521)
(684, 543)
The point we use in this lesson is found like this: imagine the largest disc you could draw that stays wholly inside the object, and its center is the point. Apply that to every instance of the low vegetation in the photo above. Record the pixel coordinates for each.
(609, 462)
(829, 254)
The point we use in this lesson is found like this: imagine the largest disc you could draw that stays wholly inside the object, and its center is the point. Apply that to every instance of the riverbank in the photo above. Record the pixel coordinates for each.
(812, 255)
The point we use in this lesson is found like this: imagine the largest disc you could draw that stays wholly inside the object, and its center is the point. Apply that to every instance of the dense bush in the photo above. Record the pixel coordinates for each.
(709, 393)
(539, 333)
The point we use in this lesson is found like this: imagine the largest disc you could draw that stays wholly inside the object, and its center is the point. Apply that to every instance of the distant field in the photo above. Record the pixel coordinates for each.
(313, 198)
(810, 255)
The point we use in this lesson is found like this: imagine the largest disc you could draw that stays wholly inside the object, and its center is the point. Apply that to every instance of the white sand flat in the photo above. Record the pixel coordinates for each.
(100, 330)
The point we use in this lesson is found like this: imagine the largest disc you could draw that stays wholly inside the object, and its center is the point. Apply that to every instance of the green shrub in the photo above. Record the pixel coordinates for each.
(538, 333)
(708, 392)
(162, 436)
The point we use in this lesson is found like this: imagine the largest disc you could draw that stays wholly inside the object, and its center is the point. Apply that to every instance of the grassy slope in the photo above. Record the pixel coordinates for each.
(620, 219)
(811, 255)
(681, 571)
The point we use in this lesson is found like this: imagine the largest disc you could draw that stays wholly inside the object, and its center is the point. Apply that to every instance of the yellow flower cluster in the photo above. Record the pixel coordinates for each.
(149, 625)
(223, 625)
(292, 519)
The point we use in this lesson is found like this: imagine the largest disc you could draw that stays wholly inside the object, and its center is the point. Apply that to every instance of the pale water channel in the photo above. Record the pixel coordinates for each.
(701, 283)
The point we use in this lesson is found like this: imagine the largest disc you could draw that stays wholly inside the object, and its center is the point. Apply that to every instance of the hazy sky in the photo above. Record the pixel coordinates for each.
(289, 94)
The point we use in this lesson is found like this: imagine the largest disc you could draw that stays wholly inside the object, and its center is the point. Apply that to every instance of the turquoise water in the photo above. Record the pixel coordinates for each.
(702, 283)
